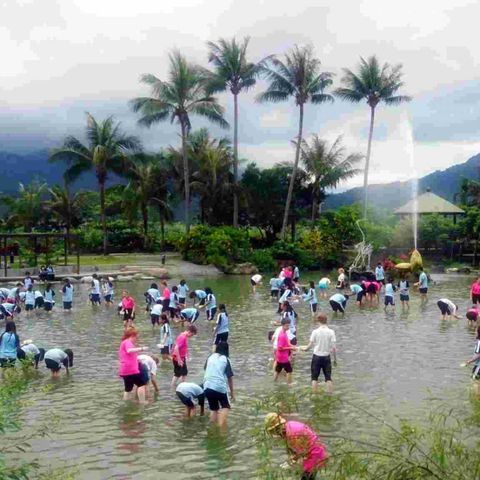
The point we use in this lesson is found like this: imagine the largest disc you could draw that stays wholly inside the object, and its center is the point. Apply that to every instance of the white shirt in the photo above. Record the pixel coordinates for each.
(157, 309)
(323, 340)
(149, 362)
(31, 349)
(450, 304)
(95, 287)
(257, 278)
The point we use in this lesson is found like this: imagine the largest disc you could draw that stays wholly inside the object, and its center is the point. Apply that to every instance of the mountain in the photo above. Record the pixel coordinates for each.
(445, 183)
(23, 168)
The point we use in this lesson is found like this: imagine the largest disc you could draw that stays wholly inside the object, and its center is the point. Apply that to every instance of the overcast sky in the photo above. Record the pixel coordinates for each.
(62, 58)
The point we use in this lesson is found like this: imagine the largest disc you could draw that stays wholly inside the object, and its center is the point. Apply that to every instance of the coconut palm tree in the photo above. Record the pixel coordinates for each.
(373, 84)
(298, 77)
(235, 73)
(325, 166)
(185, 93)
(106, 151)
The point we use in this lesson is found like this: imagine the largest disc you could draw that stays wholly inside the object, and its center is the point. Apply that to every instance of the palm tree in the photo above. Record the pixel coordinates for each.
(325, 166)
(185, 93)
(373, 84)
(235, 73)
(298, 77)
(27, 209)
(106, 151)
(64, 206)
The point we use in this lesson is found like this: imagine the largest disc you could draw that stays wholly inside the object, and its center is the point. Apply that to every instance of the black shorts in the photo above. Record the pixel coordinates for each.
(404, 297)
(274, 293)
(186, 401)
(337, 307)
(180, 371)
(423, 291)
(284, 366)
(29, 308)
(296, 279)
(476, 372)
(7, 362)
(381, 281)
(165, 350)
(360, 296)
(137, 379)
(313, 307)
(475, 298)
(95, 298)
(182, 300)
(221, 337)
(472, 316)
(67, 305)
(39, 302)
(389, 300)
(55, 366)
(372, 289)
(253, 283)
(47, 306)
(165, 304)
(211, 313)
(128, 314)
(155, 319)
(144, 372)
(319, 364)
(216, 400)
(443, 308)
(108, 298)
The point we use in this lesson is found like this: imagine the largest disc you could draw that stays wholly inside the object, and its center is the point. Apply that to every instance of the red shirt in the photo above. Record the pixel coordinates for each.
(282, 356)
(128, 303)
(182, 345)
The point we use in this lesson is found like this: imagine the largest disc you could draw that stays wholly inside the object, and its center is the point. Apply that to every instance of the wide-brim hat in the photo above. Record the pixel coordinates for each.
(273, 421)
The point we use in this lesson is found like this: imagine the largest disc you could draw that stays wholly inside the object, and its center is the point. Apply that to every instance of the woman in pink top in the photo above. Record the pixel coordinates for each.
(129, 366)
(302, 442)
(128, 308)
(475, 291)
(165, 295)
(180, 355)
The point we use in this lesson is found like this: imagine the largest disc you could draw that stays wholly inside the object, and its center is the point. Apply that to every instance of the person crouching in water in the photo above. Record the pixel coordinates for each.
(472, 314)
(55, 358)
(29, 353)
(187, 392)
(302, 444)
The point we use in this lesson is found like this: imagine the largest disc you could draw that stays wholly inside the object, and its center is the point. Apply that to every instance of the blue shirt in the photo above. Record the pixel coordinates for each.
(183, 290)
(189, 313)
(173, 300)
(154, 294)
(403, 286)
(190, 390)
(389, 290)
(476, 351)
(338, 297)
(29, 297)
(311, 296)
(222, 323)
(293, 321)
(67, 293)
(423, 280)
(48, 295)
(275, 283)
(211, 301)
(200, 294)
(8, 345)
(217, 372)
(286, 295)
(166, 335)
(379, 273)
(356, 289)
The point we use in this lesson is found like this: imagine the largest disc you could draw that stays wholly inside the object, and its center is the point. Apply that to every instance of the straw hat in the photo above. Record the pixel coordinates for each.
(273, 421)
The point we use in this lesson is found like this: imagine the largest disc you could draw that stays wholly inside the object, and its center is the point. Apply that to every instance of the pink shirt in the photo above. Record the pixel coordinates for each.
(182, 345)
(287, 273)
(475, 289)
(282, 356)
(303, 441)
(128, 303)
(128, 361)
(166, 293)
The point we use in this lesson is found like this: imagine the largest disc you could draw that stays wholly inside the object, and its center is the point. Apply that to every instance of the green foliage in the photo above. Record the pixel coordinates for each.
(263, 259)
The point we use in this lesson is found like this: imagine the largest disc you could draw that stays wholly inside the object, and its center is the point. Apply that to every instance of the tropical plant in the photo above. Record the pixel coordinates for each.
(325, 166)
(185, 93)
(235, 73)
(106, 151)
(374, 84)
(297, 77)
(27, 208)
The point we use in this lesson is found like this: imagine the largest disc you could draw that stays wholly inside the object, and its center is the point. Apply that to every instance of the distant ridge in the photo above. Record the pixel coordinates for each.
(445, 183)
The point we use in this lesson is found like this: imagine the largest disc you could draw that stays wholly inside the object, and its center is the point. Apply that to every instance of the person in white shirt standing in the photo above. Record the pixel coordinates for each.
(95, 290)
(323, 341)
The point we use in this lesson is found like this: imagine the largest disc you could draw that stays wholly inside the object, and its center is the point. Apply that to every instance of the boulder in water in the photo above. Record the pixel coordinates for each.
(404, 267)
(87, 279)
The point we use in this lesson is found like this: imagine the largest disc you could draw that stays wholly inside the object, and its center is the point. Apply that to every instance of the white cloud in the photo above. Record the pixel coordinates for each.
(276, 119)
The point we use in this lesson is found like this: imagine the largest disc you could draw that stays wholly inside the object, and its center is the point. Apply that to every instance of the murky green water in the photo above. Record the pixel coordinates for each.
(390, 364)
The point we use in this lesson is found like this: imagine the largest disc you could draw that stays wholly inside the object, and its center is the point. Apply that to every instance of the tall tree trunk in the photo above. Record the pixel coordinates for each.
(314, 209)
(367, 163)
(235, 160)
(145, 225)
(294, 174)
(103, 218)
(186, 176)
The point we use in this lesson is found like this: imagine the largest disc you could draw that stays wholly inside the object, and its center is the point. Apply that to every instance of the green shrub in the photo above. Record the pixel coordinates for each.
(264, 260)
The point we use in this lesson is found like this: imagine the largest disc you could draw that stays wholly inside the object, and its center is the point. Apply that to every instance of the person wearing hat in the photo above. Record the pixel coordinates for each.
(282, 353)
(302, 443)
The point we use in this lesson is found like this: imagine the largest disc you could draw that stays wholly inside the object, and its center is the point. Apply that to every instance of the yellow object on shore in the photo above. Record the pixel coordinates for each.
(416, 260)
(404, 267)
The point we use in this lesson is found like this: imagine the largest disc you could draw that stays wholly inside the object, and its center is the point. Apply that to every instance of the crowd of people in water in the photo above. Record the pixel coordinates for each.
(167, 306)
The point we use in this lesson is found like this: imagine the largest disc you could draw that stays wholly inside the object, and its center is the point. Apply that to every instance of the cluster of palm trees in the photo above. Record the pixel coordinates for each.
(189, 91)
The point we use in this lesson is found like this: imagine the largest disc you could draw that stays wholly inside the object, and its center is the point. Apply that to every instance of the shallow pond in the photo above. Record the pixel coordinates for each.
(391, 364)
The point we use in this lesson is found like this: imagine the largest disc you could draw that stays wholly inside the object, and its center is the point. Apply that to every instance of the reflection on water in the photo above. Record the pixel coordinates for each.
(389, 363)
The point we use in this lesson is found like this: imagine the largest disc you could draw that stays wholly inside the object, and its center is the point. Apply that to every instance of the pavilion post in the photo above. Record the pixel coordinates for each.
(5, 255)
